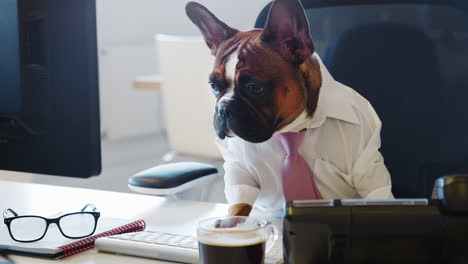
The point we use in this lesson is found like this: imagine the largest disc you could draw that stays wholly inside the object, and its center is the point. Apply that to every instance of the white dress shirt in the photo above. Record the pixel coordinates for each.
(341, 147)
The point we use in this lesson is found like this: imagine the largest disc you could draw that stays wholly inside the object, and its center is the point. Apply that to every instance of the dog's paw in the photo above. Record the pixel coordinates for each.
(241, 209)
(229, 222)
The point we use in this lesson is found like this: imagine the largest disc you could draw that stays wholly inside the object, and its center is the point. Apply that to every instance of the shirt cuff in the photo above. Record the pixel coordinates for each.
(381, 193)
(241, 194)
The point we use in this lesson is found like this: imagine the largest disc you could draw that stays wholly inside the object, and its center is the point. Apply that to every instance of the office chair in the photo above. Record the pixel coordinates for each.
(409, 58)
(405, 58)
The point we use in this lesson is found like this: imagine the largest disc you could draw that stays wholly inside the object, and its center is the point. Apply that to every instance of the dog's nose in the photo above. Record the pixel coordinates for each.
(223, 112)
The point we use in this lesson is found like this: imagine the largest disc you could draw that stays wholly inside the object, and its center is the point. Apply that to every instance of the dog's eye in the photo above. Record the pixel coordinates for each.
(212, 84)
(254, 88)
(214, 87)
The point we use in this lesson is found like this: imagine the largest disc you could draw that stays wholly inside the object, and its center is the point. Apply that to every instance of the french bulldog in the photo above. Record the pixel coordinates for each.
(263, 79)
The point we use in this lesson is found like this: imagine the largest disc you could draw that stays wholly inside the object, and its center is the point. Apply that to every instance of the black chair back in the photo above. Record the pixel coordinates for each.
(401, 79)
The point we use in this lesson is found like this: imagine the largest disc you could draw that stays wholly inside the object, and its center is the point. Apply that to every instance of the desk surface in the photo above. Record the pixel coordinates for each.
(174, 216)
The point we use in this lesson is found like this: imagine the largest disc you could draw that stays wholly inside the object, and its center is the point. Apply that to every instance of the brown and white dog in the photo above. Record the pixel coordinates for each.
(262, 79)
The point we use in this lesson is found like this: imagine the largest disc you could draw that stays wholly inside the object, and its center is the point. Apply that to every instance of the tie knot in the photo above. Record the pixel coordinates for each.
(291, 141)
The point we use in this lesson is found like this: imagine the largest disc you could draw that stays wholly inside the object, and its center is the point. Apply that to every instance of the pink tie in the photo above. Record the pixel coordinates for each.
(298, 179)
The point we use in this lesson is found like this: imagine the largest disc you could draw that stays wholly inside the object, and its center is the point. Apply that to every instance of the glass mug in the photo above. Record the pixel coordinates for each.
(235, 239)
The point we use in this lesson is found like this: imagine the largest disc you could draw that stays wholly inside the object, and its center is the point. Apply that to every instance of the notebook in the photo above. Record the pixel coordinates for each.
(55, 246)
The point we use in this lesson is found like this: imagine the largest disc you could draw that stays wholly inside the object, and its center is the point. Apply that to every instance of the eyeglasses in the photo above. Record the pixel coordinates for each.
(31, 228)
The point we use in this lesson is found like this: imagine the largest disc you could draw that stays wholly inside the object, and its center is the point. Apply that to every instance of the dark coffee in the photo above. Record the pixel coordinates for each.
(236, 254)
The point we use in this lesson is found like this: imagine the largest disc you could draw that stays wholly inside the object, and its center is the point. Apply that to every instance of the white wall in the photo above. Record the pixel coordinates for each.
(136, 21)
(126, 30)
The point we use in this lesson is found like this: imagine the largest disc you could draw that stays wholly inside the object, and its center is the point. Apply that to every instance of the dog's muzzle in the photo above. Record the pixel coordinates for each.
(237, 118)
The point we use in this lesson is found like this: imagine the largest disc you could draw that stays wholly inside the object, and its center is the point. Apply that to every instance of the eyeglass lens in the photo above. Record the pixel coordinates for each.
(77, 225)
(28, 228)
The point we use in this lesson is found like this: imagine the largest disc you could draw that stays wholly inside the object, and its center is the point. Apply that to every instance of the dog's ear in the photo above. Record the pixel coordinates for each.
(287, 29)
(214, 30)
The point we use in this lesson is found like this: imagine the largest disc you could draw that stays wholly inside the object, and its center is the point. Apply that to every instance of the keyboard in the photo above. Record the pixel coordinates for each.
(166, 246)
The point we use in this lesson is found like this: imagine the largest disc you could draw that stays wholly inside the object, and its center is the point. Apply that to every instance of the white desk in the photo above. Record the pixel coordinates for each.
(174, 216)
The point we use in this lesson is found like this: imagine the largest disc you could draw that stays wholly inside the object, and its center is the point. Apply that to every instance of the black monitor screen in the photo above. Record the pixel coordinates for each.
(49, 97)
(10, 65)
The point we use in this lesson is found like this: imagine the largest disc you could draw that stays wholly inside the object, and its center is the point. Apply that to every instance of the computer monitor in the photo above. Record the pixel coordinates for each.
(49, 97)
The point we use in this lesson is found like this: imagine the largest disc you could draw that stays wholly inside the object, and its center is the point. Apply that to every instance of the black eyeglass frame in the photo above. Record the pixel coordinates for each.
(49, 221)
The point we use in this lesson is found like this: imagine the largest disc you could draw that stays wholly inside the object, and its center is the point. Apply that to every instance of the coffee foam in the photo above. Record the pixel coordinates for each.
(230, 239)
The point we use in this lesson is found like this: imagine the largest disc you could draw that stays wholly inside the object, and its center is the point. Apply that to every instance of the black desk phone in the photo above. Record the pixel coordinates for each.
(381, 231)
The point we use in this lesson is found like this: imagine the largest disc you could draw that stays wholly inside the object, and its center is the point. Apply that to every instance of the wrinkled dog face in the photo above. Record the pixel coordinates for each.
(256, 77)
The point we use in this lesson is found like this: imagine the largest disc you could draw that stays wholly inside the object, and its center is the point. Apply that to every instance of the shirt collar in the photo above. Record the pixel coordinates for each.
(334, 102)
